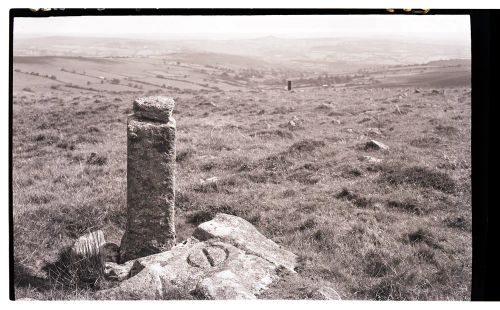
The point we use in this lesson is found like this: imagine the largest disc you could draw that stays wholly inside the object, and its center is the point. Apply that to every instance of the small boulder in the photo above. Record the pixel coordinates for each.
(371, 159)
(375, 145)
(116, 272)
(89, 244)
(209, 180)
(373, 132)
(227, 258)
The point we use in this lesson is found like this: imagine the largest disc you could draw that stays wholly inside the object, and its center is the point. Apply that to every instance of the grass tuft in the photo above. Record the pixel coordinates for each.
(409, 206)
(96, 160)
(356, 199)
(420, 176)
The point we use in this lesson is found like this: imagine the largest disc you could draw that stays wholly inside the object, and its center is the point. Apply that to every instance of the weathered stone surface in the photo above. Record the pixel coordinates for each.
(157, 108)
(373, 132)
(371, 159)
(217, 267)
(328, 293)
(116, 272)
(223, 285)
(372, 144)
(237, 231)
(236, 275)
(147, 284)
(150, 225)
(88, 245)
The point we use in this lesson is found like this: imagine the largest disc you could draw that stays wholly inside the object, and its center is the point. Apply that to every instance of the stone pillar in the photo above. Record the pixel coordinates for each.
(150, 225)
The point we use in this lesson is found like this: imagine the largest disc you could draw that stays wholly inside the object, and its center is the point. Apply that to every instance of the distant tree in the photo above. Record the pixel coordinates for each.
(115, 81)
(53, 77)
(88, 82)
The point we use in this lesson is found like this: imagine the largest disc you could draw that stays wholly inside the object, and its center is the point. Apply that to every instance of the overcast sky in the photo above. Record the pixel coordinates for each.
(453, 27)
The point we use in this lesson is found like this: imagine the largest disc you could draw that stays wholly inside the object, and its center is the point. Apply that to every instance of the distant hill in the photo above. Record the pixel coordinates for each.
(450, 62)
(313, 53)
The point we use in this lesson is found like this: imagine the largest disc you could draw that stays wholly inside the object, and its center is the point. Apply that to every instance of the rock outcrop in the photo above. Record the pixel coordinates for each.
(226, 258)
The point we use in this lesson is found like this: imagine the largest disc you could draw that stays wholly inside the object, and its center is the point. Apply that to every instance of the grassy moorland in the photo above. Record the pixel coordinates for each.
(371, 223)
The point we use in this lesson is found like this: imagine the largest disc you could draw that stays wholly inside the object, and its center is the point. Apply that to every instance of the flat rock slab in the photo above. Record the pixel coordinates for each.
(227, 258)
(157, 108)
(237, 231)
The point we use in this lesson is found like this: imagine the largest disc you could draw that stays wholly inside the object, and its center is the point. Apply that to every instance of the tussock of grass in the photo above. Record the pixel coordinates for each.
(406, 206)
(356, 199)
(199, 217)
(458, 222)
(306, 145)
(425, 253)
(275, 163)
(421, 235)
(424, 142)
(393, 288)
(377, 263)
(281, 133)
(420, 176)
(304, 176)
(351, 172)
(308, 224)
(96, 159)
(184, 154)
(446, 130)
(71, 272)
(324, 238)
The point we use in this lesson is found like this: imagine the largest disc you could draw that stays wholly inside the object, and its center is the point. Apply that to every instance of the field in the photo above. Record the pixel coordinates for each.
(371, 223)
